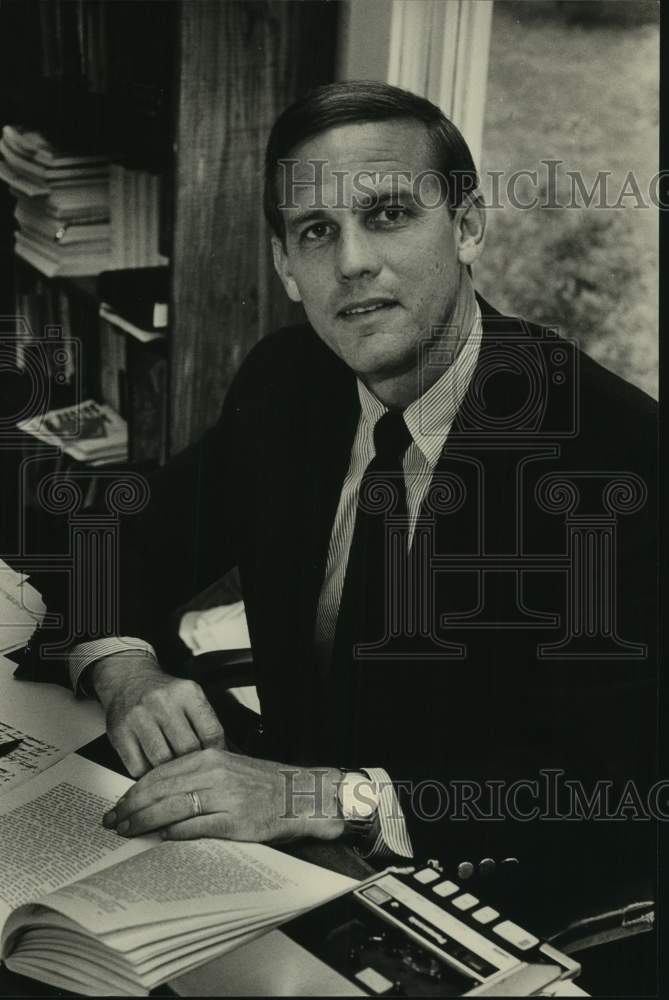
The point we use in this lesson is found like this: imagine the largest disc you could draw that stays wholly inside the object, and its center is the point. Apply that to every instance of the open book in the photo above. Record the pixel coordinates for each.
(84, 910)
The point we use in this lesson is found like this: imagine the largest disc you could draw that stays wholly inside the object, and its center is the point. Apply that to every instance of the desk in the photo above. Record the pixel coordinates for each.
(338, 857)
(628, 969)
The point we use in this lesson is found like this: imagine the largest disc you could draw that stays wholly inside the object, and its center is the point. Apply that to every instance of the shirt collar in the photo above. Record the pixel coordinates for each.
(429, 418)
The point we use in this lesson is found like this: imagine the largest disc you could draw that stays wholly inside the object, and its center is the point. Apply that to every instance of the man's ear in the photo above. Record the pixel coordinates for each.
(470, 226)
(282, 268)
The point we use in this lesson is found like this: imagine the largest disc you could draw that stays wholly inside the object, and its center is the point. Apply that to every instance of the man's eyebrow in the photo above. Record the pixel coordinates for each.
(369, 198)
(401, 190)
(313, 214)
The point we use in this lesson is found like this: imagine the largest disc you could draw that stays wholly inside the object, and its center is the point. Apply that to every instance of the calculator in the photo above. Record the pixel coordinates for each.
(416, 933)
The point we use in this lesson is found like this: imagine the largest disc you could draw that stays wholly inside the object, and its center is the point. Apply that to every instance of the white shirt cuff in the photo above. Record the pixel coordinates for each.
(392, 836)
(82, 655)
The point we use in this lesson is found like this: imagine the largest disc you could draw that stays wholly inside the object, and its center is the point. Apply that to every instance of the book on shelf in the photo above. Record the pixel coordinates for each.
(84, 910)
(51, 174)
(113, 368)
(63, 250)
(80, 202)
(146, 393)
(73, 42)
(48, 334)
(19, 183)
(133, 379)
(134, 205)
(90, 432)
(57, 262)
(33, 145)
(136, 296)
(138, 332)
(38, 221)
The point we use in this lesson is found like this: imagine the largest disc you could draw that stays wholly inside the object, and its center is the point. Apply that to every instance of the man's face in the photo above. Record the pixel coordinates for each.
(374, 280)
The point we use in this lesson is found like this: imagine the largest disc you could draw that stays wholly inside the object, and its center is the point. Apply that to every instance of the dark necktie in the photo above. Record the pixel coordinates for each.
(375, 570)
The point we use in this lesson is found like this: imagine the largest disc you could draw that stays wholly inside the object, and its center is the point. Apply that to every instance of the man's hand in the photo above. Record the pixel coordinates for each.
(240, 798)
(152, 717)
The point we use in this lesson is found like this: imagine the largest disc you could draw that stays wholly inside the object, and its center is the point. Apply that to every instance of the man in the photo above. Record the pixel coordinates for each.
(395, 482)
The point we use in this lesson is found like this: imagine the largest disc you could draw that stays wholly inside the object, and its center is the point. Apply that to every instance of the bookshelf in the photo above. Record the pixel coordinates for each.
(185, 92)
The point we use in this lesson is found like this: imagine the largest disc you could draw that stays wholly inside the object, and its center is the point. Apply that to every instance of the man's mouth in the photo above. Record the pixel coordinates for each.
(366, 306)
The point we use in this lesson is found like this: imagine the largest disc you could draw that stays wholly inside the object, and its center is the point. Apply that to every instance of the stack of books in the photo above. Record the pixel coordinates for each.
(77, 214)
(62, 204)
(89, 432)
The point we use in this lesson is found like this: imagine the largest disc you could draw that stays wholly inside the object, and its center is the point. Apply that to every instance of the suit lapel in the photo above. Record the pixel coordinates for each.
(334, 411)
(487, 393)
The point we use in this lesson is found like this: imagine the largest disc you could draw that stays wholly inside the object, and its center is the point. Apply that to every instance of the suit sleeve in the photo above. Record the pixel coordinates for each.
(182, 541)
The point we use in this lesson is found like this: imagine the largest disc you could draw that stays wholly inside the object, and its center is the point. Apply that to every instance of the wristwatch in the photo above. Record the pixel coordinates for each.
(357, 803)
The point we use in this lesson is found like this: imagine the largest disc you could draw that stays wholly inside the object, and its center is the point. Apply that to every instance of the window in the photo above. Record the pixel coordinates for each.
(571, 122)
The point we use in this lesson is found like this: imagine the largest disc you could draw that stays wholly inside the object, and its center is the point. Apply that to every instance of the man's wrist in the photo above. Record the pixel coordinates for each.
(311, 798)
(105, 674)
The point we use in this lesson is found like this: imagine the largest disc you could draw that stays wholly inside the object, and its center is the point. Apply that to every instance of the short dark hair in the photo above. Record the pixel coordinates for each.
(356, 101)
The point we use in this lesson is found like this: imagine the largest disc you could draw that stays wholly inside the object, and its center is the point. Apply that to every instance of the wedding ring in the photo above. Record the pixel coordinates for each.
(197, 805)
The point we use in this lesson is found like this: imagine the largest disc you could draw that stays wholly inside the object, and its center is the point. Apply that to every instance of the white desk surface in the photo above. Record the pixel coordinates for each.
(48, 719)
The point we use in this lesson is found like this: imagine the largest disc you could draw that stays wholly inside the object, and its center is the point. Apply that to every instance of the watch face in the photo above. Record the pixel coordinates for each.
(358, 797)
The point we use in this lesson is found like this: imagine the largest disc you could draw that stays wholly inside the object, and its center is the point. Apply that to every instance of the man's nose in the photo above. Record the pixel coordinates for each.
(356, 254)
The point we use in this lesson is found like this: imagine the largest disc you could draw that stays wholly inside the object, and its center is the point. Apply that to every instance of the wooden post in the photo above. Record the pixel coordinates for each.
(240, 64)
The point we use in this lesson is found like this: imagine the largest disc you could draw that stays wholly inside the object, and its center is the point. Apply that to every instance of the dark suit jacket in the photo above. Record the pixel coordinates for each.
(538, 557)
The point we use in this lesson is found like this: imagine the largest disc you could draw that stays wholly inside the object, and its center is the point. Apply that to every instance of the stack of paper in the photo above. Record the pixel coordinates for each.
(136, 300)
(62, 204)
(85, 910)
(91, 432)
(21, 609)
(222, 627)
(46, 719)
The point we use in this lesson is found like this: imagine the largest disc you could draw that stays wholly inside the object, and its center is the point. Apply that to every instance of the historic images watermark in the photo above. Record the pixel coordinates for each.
(548, 185)
(548, 796)
(578, 515)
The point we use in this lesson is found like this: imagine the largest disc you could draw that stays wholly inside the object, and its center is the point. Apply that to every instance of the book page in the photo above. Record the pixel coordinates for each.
(27, 760)
(49, 720)
(51, 830)
(187, 878)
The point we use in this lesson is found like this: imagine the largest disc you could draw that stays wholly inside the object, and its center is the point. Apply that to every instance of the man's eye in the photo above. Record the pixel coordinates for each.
(318, 231)
(391, 214)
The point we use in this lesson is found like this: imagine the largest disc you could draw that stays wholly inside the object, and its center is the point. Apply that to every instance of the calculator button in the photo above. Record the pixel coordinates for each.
(515, 935)
(373, 980)
(487, 866)
(377, 895)
(465, 901)
(446, 888)
(426, 876)
(465, 870)
(485, 914)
